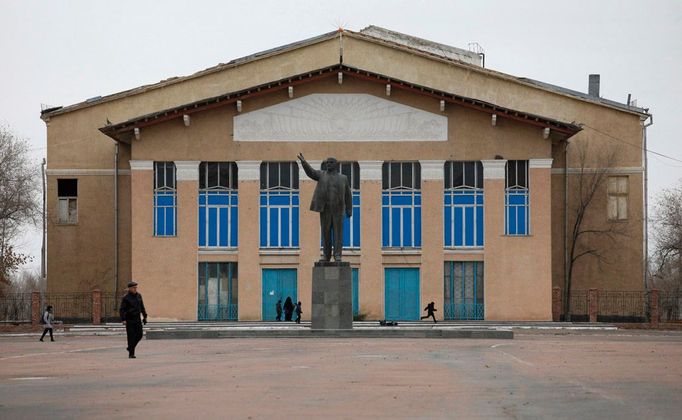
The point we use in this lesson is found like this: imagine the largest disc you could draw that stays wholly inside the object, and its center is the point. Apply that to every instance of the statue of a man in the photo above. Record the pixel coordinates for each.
(333, 200)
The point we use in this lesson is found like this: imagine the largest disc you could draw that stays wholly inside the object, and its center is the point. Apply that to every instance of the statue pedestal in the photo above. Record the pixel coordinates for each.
(332, 303)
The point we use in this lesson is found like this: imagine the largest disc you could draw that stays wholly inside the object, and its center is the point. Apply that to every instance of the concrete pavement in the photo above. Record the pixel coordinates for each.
(538, 375)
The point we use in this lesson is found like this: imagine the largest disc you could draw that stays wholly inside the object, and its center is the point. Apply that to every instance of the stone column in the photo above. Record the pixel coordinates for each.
(96, 307)
(593, 304)
(250, 282)
(494, 289)
(371, 279)
(35, 308)
(431, 271)
(142, 222)
(556, 304)
(654, 308)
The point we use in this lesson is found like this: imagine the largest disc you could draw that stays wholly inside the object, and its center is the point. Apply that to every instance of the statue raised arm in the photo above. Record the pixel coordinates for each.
(333, 200)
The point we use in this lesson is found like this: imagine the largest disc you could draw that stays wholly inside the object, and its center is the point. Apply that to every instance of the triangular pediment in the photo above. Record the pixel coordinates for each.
(340, 117)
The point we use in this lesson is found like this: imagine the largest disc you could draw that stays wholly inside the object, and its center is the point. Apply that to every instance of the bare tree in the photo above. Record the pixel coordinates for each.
(667, 238)
(19, 205)
(584, 237)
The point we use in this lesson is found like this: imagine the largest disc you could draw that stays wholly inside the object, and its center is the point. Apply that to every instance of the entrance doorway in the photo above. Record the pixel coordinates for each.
(278, 284)
(402, 294)
(463, 287)
(218, 292)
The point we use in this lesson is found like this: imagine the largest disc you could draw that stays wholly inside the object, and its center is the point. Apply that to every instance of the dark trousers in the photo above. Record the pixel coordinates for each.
(134, 333)
(279, 316)
(298, 318)
(332, 226)
(45, 332)
(430, 315)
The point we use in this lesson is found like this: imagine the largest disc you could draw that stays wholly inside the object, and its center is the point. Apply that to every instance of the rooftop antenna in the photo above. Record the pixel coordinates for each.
(475, 47)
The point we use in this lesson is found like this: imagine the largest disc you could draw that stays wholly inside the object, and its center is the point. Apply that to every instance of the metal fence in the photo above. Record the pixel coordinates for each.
(70, 308)
(464, 311)
(669, 305)
(110, 307)
(15, 307)
(209, 312)
(578, 306)
(623, 306)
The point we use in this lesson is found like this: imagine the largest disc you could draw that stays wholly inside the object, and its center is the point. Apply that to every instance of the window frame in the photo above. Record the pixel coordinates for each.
(208, 195)
(392, 191)
(464, 190)
(268, 194)
(68, 199)
(165, 191)
(513, 190)
(618, 195)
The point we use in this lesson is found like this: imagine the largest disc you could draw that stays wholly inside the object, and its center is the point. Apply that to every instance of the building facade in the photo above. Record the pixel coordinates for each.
(460, 179)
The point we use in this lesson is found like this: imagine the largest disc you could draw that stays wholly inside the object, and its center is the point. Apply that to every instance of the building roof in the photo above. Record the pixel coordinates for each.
(124, 131)
(372, 33)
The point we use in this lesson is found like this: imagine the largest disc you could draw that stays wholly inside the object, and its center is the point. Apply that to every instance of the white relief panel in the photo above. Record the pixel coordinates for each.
(340, 117)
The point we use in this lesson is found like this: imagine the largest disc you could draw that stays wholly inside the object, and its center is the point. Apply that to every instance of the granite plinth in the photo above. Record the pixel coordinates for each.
(332, 300)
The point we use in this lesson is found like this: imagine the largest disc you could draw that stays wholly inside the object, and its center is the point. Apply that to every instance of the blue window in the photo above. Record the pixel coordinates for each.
(165, 199)
(401, 205)
(218, 292)
(218, 205)
(516, 199)
(463, 204)
(279, 205)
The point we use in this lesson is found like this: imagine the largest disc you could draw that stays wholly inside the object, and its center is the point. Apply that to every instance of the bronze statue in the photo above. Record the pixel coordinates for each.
(333, 200)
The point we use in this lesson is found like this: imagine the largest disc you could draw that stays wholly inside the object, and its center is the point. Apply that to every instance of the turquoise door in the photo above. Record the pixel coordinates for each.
(278, 284)
(402, 294)
(356, 285)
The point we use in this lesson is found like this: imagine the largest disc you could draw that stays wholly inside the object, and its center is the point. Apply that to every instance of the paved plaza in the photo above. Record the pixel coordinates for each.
(603, 374)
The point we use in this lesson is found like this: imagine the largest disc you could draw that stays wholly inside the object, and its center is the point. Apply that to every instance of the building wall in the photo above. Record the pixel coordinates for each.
(81, 256)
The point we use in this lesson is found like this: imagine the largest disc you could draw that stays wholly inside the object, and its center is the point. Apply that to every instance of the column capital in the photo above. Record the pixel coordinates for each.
(494, 169)
(187, 170)
(540, 163)
(370, 170)
(141, 165)
(249, 170)
(432, 170)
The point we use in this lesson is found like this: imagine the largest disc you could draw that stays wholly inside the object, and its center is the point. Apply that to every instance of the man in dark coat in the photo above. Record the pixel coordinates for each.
(333, 200)
(132, 307)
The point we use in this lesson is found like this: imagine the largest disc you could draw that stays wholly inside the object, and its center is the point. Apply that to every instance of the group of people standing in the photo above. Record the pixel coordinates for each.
(289, 308)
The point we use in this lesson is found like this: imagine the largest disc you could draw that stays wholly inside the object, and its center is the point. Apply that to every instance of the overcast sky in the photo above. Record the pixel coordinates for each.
(63, 52)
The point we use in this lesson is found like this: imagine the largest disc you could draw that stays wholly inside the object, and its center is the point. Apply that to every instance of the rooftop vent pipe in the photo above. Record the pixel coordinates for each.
(593, 88)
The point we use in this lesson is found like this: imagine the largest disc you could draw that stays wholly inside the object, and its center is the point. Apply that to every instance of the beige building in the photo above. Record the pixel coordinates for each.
(460, 174)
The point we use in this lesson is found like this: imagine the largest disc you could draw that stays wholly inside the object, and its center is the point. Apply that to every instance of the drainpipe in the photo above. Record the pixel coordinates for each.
(646, 202)
(116, 224)
(43, 266)
(566, 291)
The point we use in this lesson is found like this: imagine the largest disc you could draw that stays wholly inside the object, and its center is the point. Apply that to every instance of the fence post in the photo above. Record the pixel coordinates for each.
(35, 308)
(556, 304)
(653, 308)
(593, 304)
(96, 306)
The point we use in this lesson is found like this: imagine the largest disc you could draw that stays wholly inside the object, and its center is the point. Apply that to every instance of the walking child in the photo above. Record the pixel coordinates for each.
(278, 308)
(299, 311)
(48, 319)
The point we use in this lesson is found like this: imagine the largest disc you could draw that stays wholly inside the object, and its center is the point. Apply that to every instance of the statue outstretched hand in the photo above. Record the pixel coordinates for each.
(300, 157)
